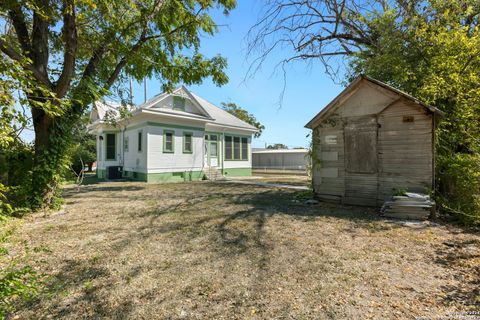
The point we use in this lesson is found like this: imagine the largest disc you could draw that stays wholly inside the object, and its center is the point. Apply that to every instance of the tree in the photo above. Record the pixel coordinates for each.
(84, 147)
(430, 49)
(277, 146)
(244, 115)
(73, 52)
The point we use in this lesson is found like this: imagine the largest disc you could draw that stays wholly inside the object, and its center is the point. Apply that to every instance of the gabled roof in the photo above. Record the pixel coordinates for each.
(222, 117)
(210, 113)
(353, 85)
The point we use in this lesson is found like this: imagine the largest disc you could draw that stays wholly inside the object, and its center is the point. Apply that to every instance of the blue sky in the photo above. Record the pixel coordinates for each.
(308, 89)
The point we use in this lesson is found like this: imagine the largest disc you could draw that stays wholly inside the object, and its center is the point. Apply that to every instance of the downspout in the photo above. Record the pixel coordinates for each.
(123, 151)
(223, 149)
(203, 152)
(434, 127)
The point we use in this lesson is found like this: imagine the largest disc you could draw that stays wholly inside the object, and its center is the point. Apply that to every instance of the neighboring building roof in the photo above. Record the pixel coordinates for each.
(209, 112)
(281, 151)
(354, 84)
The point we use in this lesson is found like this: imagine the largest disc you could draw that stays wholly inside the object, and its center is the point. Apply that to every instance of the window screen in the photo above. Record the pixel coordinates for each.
(178, 103)
(244, 149)
(125, 144)
(139, 141)
(236, 148)
(213, 149)
(111, 146)
(187, 143)
(228, 148)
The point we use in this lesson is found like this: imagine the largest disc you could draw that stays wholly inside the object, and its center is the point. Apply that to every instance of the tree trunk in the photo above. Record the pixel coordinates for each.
(44, 162)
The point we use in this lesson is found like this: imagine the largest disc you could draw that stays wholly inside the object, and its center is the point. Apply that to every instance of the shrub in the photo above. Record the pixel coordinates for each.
(459, 186)
(16, 285)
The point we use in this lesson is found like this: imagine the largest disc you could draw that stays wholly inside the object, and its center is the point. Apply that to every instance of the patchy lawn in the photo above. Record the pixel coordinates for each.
(216, 250)
(276, 178)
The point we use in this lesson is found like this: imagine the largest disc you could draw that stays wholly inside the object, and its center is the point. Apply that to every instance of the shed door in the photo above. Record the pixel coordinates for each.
(361, 164)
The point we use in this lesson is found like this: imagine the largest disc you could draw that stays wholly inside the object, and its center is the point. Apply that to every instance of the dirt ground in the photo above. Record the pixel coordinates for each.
(225, 251)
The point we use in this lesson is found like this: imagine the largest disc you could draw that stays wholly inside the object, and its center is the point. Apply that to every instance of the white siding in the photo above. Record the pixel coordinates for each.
(102, 163)
(135, 160)
(158, 161)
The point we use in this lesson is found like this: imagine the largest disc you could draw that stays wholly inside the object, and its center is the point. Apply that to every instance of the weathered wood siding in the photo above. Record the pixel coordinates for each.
(361, 160)
(378, 142)
(405, 149)
(367, 99)
(329, 174)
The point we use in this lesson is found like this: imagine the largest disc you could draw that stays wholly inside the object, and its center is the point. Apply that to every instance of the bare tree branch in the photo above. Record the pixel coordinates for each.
(309, 29)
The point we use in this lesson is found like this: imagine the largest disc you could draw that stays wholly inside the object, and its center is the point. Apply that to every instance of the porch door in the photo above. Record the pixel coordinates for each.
(211, 150)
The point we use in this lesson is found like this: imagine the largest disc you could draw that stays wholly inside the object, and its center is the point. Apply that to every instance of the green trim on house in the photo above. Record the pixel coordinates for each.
(179, 176)
(135, 175)
(159, 124)
(101, 174)
(227, 133)
(185, 134)
(165, 150)
(237, 172)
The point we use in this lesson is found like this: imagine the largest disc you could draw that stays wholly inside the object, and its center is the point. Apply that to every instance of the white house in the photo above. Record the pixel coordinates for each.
(176, 136)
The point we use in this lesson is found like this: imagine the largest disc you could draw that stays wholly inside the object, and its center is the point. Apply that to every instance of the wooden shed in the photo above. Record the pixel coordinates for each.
(371, 141)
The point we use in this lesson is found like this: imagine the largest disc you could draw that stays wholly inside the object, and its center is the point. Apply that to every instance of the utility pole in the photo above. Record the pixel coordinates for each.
(145, 89)
(131, 90)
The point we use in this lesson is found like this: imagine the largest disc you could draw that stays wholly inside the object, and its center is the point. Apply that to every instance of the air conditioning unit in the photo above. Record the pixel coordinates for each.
(114, 172)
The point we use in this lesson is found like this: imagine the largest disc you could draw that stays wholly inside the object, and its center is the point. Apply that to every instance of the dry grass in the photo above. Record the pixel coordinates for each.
(291, 179)
(214, 250)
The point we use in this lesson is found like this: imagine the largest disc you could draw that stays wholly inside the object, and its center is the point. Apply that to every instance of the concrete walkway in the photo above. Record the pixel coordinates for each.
(264, 184)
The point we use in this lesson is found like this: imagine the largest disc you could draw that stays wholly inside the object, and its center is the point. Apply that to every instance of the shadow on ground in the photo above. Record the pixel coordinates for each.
(212, 224)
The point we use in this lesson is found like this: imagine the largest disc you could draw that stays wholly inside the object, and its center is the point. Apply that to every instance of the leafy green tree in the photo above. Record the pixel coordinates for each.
(71, 53)
(84, 152)
(277, 146)
(434, 54)
(430, 49)
(244, 115)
